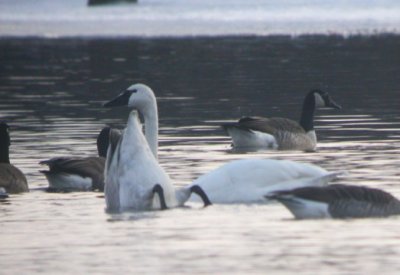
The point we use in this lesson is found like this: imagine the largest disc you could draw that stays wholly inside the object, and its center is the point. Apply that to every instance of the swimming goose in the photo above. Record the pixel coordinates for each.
(240, 181)
(78, 174)
(281, 133)
(133, 178)
(337, 201)
(12, 180)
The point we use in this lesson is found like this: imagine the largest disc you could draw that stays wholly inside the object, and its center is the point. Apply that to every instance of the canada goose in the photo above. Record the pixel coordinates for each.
(337, 201)
(281, 133)
(240, 181)
(78, 174)
(11, 178)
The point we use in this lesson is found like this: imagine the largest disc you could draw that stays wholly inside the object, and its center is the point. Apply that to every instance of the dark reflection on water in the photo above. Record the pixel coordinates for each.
(51, 93)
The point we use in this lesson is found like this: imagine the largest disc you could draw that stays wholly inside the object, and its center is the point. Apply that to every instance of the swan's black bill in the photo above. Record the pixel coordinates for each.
(121, 100)
(333, 104)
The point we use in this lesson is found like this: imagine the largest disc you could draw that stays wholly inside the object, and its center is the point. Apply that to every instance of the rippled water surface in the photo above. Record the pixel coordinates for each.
(51, 93)
(48, 18)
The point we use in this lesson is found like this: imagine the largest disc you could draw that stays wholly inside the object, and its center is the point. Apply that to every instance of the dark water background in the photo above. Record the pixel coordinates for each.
(51, 91)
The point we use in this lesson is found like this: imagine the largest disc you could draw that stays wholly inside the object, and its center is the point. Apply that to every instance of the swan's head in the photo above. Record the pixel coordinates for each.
(322, 99)
(137, 96)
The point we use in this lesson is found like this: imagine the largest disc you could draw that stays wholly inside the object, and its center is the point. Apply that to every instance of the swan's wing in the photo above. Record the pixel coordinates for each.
(115, 136)
(270, 125)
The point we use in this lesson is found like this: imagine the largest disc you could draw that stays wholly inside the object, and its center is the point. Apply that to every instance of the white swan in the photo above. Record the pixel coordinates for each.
(249, 180)
(241, 181)
(132, 173)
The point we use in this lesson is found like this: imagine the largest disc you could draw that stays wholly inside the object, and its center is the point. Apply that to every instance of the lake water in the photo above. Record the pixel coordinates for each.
(198, 17)
(51, 92)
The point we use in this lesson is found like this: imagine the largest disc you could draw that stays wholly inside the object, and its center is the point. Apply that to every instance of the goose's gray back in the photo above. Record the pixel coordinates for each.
(350, 201)
(288, 134)
(90, 167)
(12, 179)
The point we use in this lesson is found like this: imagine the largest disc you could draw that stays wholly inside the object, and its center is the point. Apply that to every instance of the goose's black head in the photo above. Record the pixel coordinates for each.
(4, 134)
(323, 99)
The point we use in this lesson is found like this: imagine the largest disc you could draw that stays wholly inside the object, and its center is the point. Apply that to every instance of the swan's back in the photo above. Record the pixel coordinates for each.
(250, 180)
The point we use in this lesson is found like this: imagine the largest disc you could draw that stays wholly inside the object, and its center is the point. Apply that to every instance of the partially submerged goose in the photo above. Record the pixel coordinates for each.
(78, 174)
(337, 201)
(281, 133)
(130, 168)
(133, 178)
(12, 180)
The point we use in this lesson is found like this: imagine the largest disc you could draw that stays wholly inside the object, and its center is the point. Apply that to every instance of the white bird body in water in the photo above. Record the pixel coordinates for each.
(132, 168)
(337, 201)
(249, 180)
(132, 171)
(280, 133)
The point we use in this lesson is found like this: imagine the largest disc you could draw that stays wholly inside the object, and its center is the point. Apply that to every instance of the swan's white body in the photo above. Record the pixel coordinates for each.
(249, 180)
(132, 169)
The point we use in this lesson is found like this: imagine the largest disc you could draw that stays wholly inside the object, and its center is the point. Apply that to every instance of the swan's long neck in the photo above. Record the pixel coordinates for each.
(150, 115)
(307, 114)
(133, 132)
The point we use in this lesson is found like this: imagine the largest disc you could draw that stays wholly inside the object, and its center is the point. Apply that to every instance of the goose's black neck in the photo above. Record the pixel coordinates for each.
(103, 141)
(307, 114)
(4, 145)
